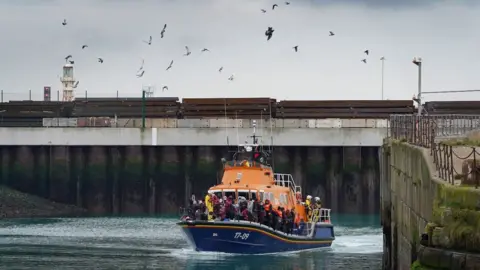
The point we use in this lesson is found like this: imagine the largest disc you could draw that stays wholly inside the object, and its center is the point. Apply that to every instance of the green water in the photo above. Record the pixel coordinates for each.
(156, 243)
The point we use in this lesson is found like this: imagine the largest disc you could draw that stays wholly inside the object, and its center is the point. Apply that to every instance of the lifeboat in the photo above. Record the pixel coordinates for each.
(249, 177)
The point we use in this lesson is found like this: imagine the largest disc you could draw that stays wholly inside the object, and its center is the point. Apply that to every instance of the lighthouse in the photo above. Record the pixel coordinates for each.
(68, 83)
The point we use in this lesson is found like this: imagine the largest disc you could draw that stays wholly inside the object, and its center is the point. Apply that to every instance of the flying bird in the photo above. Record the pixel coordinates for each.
(164, 88)
(76, 84)
(188, 51)
(163, 31)
(274, 5)
(149, 42)
(141, 66)
(220, 69)
(230, 78)
(205, 50)
(71, 62)
(366, 52)
(64, 22)
(331, 33)
(84, 46)
(100, 60)
(287, 3)
(141, 74)
(382, 58)
(68, 57)
(296, 48)
(364, 61)
(269, 33)
(170, 66)
(263, 10)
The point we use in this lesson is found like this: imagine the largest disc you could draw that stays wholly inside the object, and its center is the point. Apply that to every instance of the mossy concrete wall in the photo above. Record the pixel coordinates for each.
(158, 179)
(415, 201)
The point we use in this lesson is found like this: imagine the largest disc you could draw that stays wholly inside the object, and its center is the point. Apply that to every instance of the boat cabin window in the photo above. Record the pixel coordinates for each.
(283, 199)
(243, 193)
(218, 193)
(261, 195)
(230, 192)
(253, 194)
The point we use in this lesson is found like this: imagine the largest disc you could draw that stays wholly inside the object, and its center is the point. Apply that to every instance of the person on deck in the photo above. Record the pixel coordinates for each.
(209, 205)
(268, 213)
(308, 209)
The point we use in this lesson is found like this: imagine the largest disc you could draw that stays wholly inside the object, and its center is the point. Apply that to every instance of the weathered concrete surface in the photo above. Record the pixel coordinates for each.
(191, 136)
(143, 180)
(412, 196)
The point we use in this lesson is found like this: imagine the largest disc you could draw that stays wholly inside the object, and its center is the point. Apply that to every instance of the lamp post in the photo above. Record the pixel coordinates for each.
(383, 71)
(418, 62)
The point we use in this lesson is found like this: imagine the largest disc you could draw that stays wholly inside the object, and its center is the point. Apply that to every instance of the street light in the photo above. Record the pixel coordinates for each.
(383, 71)
(418, 61)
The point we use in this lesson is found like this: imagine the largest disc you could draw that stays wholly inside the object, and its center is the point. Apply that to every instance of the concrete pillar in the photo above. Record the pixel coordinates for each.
(78, 165)
(59, 174)
(188, 166)
(370, 179)
(206, 171)
(5, 167)
(298, 167)
(22, 172)
(133, 185)
(95, 184)
(150, 177)
(316, 173)
(172, 185)
(281, 161)
(334, 178)
(115, 171)
(351, 191)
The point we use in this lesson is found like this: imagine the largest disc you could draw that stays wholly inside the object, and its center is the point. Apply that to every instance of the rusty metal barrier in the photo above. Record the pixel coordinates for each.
(433, 132)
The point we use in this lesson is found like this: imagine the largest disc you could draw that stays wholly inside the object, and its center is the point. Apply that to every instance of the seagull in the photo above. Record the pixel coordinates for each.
(205, 50)
(269, 33)
(263, 10)
(366, 52)
(84, 46)
(382, 58)
(163, 31)
(274, 5)
(71, 62)
(331, 33)
(170, 66)
(220, 69)
(164, 88)
(100, 60)
(141, 74)
(149, 42)
(287, 3)
(296, 48)
(230, 78)
(76, 84)
(141, 66)
(364, 61)
(68, 57)
(188, 51)
(64, 22)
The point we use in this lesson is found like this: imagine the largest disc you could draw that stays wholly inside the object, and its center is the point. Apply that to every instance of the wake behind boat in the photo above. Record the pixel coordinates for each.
(254, 210)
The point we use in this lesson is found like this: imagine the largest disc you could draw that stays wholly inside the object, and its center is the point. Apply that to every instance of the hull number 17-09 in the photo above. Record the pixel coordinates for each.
(243, 236)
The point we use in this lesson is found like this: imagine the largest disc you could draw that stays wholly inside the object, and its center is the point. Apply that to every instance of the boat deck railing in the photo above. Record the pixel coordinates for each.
(286, 180)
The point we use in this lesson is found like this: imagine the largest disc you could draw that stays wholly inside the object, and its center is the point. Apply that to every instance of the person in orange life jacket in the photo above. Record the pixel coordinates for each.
(268, 212)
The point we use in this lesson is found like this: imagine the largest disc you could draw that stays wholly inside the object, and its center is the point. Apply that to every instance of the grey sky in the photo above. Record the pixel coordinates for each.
(443, 33)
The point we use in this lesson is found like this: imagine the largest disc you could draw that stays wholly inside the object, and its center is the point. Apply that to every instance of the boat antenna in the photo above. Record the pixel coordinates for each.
(236, 127)
(261, 128)
(271, 134)
(226, 123)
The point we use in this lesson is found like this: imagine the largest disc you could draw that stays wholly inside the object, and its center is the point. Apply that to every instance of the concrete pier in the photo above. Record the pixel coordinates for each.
(140, 180)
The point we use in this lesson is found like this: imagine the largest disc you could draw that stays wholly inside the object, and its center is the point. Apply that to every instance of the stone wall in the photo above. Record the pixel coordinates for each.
(415, 201)
(158, 179)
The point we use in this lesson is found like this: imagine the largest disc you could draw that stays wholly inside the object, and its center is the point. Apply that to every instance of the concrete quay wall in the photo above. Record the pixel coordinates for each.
(415, 201)
(191, 136)
(139, 180)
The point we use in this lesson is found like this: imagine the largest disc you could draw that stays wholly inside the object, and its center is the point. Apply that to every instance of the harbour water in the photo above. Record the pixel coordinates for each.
(156, 243)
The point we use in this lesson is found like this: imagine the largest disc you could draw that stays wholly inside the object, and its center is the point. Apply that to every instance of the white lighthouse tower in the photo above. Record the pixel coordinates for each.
(68, 83)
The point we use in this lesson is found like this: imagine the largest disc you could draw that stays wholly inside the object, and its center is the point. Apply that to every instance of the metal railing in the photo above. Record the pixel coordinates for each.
(286, 180)
(438, 133)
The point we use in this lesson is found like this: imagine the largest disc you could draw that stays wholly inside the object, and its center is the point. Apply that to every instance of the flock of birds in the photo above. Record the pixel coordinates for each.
(268, 33)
